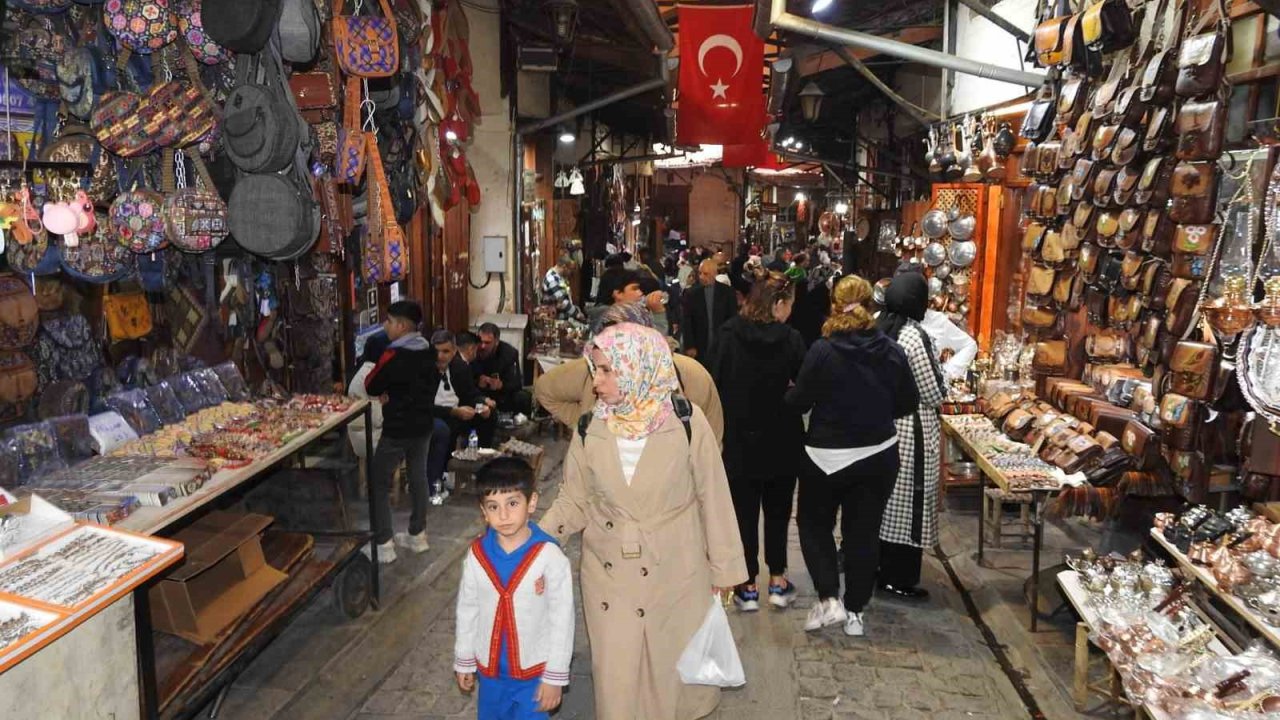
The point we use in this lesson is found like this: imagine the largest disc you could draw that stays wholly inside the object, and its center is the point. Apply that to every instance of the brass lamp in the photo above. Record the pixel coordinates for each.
(1228, 307)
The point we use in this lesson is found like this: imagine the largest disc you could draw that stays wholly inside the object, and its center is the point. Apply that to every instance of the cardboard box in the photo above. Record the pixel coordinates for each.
(224, 575)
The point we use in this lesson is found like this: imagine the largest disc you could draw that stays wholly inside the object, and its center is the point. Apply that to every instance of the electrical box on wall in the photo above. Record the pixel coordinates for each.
(495, 253)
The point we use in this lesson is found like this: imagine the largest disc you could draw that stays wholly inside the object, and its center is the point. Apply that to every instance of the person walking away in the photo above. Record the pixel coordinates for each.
(515, 618)
(758, 358)
(855, 382)
(567, 391)
(707, 306)
(645, 485)
(911, 517)
(404, 378)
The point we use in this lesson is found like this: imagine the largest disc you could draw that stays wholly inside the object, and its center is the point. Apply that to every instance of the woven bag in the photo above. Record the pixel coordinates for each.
(143, 26)
(366, 45)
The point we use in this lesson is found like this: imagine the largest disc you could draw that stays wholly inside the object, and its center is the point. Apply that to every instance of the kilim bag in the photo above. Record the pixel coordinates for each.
(370, 254)
(38, 41)
(38, 257)
(120, 123)
(352, 149)
(195, 218)
(19, 314)
(138, 221)
(366, 45)
(180, 114)
(128, 315)
(98, 259)
(143, 26)
(191, 25)
(382, 214)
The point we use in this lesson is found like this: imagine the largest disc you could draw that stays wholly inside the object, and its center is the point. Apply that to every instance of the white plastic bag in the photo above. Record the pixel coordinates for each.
(711, 657)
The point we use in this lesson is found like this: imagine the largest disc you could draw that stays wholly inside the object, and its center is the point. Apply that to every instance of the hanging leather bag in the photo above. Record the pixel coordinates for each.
(366, 45)
(128, 315)
(19, 314)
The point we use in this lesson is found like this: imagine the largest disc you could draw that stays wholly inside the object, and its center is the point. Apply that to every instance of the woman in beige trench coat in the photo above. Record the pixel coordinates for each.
(659, 533)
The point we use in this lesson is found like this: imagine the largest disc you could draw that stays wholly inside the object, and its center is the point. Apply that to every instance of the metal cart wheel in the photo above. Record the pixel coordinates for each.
(353, 587)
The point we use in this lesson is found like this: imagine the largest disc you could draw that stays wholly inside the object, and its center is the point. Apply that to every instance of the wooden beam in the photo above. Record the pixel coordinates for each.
(1255, 74)
(829, 60)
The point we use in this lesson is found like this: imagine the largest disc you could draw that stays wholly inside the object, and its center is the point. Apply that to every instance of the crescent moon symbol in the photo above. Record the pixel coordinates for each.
(724, 41)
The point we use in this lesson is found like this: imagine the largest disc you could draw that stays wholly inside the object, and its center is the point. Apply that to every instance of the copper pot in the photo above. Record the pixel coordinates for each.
(1231, 572)
(1271, 540)
(1200, 553)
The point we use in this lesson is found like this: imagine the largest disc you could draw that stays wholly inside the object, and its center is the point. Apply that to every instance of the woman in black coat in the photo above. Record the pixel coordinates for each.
(757, 357)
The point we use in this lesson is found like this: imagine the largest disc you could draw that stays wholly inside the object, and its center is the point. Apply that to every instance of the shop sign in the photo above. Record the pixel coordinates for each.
(769, 208)
(16, 100)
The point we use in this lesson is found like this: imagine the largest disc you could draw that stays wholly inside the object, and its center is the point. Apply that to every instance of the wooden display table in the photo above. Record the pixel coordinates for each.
(1038, 499)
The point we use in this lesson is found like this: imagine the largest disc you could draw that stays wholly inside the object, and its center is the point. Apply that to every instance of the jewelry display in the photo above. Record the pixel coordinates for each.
(17, 622)
(73, 568)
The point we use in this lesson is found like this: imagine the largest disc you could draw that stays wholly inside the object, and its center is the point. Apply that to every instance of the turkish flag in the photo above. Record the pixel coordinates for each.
(721, 97)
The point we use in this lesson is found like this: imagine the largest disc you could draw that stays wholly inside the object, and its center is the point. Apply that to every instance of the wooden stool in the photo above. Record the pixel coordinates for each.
(1108, 686)
(993, 503)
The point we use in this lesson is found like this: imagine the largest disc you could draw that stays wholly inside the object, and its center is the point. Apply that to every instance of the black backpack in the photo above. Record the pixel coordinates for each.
(684, 411)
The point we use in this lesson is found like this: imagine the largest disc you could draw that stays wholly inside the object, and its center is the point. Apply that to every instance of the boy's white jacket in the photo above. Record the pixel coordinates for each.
(539, 605)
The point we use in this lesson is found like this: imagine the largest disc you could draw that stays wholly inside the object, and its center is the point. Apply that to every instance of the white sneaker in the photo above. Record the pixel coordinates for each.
(853, 625)
(824, 614)
(386, 552)
(413, 543)
(439, 498)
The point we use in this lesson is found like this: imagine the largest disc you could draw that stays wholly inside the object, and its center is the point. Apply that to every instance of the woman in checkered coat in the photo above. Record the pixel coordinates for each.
(910, 521)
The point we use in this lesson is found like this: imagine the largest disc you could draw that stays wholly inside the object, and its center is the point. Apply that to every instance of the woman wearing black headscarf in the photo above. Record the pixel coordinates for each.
(910, 521)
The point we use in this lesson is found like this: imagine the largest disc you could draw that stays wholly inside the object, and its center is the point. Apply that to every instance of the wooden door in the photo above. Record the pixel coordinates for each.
(455, 265)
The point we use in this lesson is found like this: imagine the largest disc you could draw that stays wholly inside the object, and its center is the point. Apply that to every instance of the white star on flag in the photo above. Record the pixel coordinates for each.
(717, 90)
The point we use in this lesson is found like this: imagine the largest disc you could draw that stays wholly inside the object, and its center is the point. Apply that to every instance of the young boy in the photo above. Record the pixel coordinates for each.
(404, 379)
(515, 603)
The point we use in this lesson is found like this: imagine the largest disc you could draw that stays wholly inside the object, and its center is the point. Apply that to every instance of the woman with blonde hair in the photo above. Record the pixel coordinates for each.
(855, 382)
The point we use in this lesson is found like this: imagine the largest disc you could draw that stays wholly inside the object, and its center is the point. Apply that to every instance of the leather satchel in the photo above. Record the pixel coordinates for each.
(1106, 347)
(1040, 281)
(1153, 187)
(1131, 270)
(1104, 187)
(1083, 173)
(1159, 127)
(1126, 184)
(1195, 239)
(1053, 252)
(1200, 130)
(1124, 149)
(1039, 318)
(1082, 216)
(1192, 369)
(1108, 226)
(1142, 443)
(1190, 267)
(1191, 473)
(1088, 263)
(128, 316)
(1181, 303)
(1130, 234)
(1047, 158)
(1072, 100)
(1195, 192)
(1050, 41)
(1064, 288)
(1200, 64)
(1032, 237)
(1037, 124)
(366, 45)
(314, 91)
(1157, 233)
(1157, 83)
(1103, 138)
(1050, 356)
(1107, 26)
(1017, 424)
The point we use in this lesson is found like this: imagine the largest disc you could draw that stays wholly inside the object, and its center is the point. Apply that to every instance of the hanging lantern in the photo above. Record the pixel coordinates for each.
(561, 181)
(1228, 307)
(564, 18)
(811, 101)
(575, 183)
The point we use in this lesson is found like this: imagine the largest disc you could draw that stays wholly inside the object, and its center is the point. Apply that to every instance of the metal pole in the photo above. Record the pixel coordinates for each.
(865, 72)
(646, 13)
(997, 20)
(783, 20)
(609, 99)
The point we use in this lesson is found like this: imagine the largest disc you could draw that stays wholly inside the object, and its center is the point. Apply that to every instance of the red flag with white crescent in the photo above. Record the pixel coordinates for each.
(721, 98)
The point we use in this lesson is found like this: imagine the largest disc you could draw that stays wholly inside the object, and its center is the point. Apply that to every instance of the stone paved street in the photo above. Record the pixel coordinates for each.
(917, 661)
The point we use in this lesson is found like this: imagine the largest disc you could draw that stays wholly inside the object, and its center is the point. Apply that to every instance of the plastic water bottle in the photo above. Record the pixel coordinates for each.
(473, 443)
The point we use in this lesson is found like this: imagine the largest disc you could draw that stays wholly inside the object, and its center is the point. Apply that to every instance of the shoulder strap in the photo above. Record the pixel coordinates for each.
(684, 411)
(584, 422)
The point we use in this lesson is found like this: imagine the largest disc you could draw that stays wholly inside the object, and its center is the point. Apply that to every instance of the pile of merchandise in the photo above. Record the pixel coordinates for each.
(1015, 460)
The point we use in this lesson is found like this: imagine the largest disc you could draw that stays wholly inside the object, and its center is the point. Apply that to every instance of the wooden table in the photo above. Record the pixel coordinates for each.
(997, 476)
(152, 520)
(1202, 574)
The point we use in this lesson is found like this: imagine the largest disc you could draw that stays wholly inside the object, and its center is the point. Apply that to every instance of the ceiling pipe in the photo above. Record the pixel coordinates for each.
(788, 22)
(655, 28)
(779, 74)
(611, 98)
(916, 113)
(997, 20)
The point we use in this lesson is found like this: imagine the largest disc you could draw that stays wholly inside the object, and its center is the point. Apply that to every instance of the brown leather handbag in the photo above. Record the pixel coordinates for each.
(1104, 187)
(1107, 26)
(1195, 239)
(1200, 64)
(1040, 281)
(1181, 303)
(1050, 356)
(1157, 233)
(1153, 187)
(1082, 217)
(1191, 267)
(1083, 173)
(1142, 443)
(1200, 130)
(1195, 192)
(1192, 369)
(1108, 226)
(1039, 318)
(1052, 251)
(1181, 417)
(1131, 270)
(1072, 100)
(1051, 41)
(1047, 159)
(1064, 287)
(1126, 146)
(1129, 108)
(1029, 161)
(1017, 424)
(1126, 184)
(1088, 263)
(1157, 82)
(1037, 124)
(1191, 474)
(1160, 126)
(1032, 237)
(1130, 235)
(1109, 347)
(1103, 139)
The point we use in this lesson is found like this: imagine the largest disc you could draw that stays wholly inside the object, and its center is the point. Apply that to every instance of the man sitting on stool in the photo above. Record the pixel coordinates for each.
(496, 367)
(459, 408)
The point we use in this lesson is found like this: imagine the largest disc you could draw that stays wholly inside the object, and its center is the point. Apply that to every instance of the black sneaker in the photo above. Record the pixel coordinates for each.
(911, 593)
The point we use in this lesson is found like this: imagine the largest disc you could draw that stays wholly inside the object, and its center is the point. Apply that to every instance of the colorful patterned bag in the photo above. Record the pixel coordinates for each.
(352, 151)
(138, 221)
(121, 124)
(143, 26)
(66, 350)
(82, 79)
(366, 45)
(76, 144)
(38, 257)
(42, 6)
(99, 259)
(179, 114)
(191, 25)
(195, 219)
(382, 220)
(40, 41)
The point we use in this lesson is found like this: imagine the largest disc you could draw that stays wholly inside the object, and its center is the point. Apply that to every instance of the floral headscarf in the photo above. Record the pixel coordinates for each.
(646, 378)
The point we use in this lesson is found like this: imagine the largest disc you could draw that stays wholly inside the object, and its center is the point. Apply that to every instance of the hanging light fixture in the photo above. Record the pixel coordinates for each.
(566, 135)
(811, 101)
(564, 18)
(575, 183)
(562, 180)
(820, 5)
(842, 207)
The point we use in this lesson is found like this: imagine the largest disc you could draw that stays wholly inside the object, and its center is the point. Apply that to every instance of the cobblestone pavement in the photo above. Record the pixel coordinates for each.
(917, 661)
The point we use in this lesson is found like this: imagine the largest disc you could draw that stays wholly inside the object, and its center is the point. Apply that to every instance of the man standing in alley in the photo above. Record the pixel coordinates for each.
(707, 306)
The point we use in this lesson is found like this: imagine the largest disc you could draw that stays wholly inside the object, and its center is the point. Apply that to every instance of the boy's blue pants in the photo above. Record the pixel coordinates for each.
(507, 699)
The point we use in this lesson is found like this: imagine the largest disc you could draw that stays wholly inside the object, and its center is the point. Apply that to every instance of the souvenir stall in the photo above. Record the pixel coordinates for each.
(1147, 301)
(193, 191)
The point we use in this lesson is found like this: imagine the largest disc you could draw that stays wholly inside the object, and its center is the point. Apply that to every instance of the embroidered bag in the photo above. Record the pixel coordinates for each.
(38, 257)
(128, 315)
(382, 220)
(143, 26)
(83, 78)
(138, 221)
(19, 314)
(66, 350)
(366, 45)
(98, 259)
(195, 218)
(121, 122)
(191, 25)
(352, 150)
(38, 41)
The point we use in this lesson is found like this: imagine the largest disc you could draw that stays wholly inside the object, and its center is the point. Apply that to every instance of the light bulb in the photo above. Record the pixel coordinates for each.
(800, 197)
(821, 5)
(567, 137)
(450, 135)
(842, 207)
